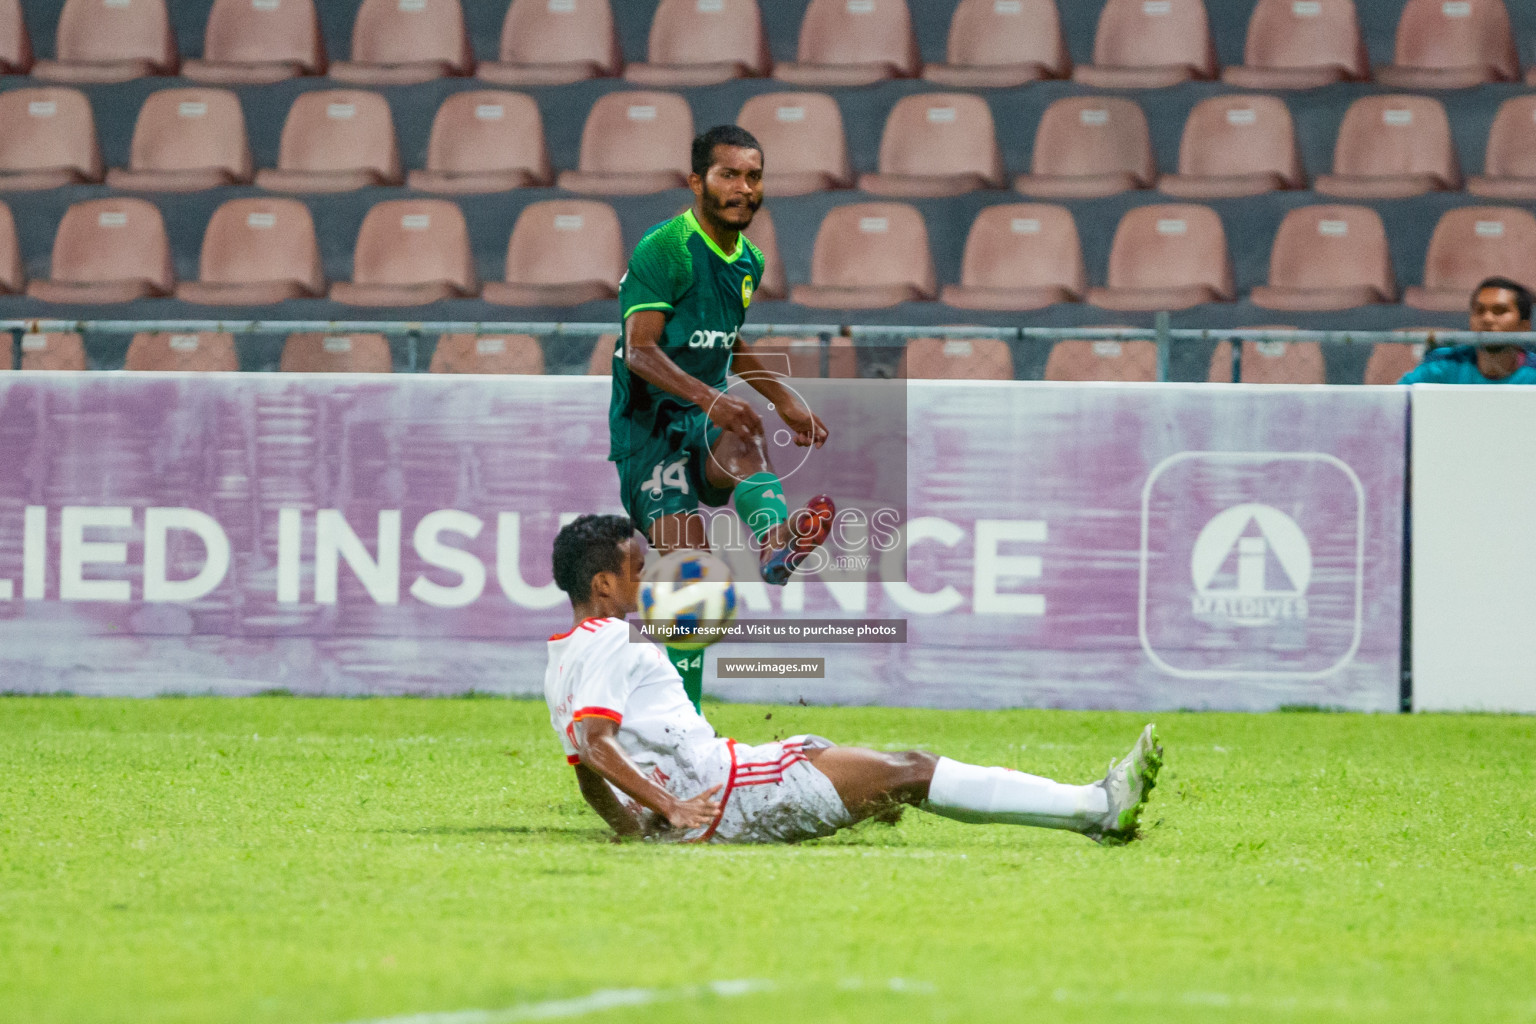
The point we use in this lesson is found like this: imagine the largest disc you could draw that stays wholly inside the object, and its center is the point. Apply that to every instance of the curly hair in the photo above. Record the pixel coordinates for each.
(720, 135)
(586, 547)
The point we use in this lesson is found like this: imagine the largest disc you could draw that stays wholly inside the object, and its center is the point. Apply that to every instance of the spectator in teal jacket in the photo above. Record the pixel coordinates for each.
(1498, 304)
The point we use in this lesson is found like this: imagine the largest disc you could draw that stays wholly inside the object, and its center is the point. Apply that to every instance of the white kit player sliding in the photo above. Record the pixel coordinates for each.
(650, 764)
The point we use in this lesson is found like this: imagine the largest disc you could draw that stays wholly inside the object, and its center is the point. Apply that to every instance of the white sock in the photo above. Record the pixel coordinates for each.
(968, 792)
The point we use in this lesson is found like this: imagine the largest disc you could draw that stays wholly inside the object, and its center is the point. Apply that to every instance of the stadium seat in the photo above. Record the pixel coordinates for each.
(956, 359)
(1328, 258)
(765, 236)
(202, 352)
(937, 144)
(108, 250)
(804, 132)
(257, 252)
(47, 139)
(1019, 257)
(15, 43)
(7, 351)
(846, 43)
(867, 256)
(555, 42)
(1301, 44)
(1081, 360)
(107, 41)
(1452, 44)
(52, 351)
(187, 140)
(257, 43)
(1469, 245)
(1149, 44)
(562, 252)
(601, 362)
(1271, 362)
(485, 141)
(1236, 146)
(801, 357)
(703, 42)
(1389, 361)
(12, 274)
(1166, 257)
(410, 252)
(1509, 166)
(633, 143)
(1001, 44)
(1089, 146)
(1392, 147)
(482, 353)
(336, 353)
(406, 42)
(335, 140)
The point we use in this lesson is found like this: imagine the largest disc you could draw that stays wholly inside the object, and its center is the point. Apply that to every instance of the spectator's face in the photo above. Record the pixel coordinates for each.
(1497, 309)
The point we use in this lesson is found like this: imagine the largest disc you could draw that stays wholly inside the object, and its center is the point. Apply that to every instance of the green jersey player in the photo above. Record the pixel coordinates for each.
(678, 436)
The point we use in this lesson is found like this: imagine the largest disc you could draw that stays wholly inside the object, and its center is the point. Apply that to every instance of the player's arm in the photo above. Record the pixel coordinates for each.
(644, 357)
(598, 744)
(749, 366)
(599, 796)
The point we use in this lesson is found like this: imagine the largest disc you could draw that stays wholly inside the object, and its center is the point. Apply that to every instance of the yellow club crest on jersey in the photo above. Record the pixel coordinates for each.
(746, 291)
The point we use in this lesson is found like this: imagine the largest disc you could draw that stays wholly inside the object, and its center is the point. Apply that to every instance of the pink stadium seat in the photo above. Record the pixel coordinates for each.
(1389, 362)
(804, 132)
(108, 250)
(1301, 44)
(801, 357)
(406, 42)
(1392, 147)
(1080, 360)
(1167, 257)
(1000, 44)
(187, 140)
(15, 43)
(1509, 168)
(867, 256)
(7, 354)
(336, 353)
(1452, 44)
(482, 353)
(601, 362)
(956, 359)
(763, 235)
(1149, 44)
(257, 43)
(105, 42)
(555, 42)
(562, 252)
(1020, 257)
(1326, 258)
(485, 141)
(937, 144)
(335, 140)
(1236, 146)
(1469, 245)
(410, 252)
(202, 352)
(47, 139)
(12, 275)
(633, 143)
(1088, 146)
(52, 352)
(703, 42)
(257, 252)
(1271, 362)
(853, 42)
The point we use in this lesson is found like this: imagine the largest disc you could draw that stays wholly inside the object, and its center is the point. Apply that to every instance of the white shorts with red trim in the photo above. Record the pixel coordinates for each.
(773, 794)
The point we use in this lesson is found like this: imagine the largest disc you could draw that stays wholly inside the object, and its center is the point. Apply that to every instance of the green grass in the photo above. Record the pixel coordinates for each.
(308, 861)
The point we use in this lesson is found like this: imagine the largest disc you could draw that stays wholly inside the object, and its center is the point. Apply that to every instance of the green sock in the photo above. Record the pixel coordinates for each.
(689, 665)
(760, 503)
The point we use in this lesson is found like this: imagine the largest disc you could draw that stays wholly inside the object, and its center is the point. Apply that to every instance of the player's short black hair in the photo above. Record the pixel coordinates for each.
(585, 547)
(720, 135)
(1522, 293)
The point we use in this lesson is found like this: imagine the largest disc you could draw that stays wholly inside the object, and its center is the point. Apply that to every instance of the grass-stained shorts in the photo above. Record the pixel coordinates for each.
(668, 473)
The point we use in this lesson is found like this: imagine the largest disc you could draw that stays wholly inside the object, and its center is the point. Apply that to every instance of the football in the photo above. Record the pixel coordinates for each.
(687, 599)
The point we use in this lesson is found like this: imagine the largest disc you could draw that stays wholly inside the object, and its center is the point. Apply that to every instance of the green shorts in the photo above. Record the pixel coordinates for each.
(667, 474)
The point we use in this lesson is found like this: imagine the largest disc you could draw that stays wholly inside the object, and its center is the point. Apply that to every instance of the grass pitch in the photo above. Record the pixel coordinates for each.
(309, 862)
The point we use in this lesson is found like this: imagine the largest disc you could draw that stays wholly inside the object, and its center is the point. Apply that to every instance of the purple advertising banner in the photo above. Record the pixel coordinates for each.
(1093, 546)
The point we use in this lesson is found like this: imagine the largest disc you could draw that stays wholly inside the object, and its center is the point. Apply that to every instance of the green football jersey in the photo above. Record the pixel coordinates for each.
(704, 293)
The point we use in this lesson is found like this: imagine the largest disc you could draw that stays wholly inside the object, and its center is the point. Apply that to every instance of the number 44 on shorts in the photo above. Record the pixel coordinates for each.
(665, 476)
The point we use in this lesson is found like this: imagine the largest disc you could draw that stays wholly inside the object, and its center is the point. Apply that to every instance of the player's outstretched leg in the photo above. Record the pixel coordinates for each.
(784, 541)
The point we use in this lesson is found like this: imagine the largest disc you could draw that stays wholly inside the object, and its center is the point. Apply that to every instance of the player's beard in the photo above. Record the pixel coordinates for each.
(734, 218)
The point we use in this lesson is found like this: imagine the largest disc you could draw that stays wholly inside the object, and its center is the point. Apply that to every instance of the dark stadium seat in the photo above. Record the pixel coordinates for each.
(102, 42)
(1000, 44)
(15, 43)
(203, 352)
(1301, 44)
(410, 252)
(485, 141)
(804, 132)
(847, 43)
(1084, 360)
(937, 144)
(1166, 257)
(1392, 147)
(1469, 245)
(257, 252)
(1452, 44)
(1327, 258)
(406, 42)
(251, 43)
(1088, 146)
(336, 353)
(1019, 257)
(13, 278)
(1236, 145)
(562, 252)
(1271, 362)
(1388, 362)
(47, 139)
(600, 364)
(52, 351)
(956, 359)
(633, 143)
(186, 140)
(555, 42)
(1149, 44)
(335, 140)
(703, 42)
(1509, 166)
(869, 255)
(108, 250)
(763, 234)
(801, 357)
(487, 353)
